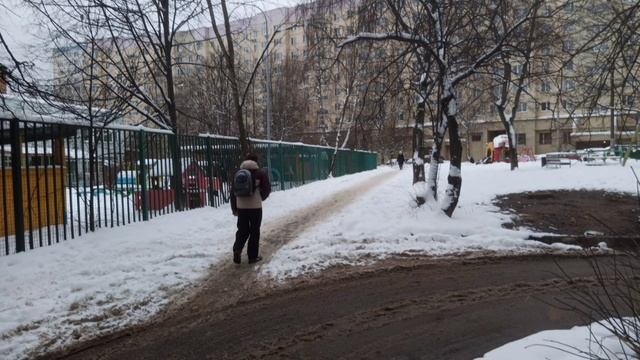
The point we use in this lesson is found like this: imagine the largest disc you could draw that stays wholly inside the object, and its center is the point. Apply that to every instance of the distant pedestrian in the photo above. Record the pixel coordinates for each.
(250, 186)
(400, 159)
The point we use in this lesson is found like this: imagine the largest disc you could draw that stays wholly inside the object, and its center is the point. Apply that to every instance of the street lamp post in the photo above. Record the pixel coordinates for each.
(267, 74)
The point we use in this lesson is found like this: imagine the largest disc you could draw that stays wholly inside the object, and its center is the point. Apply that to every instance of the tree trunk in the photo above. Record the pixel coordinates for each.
(513, 151)
(501, 108)
(513, 156)
(418, 141)
(432, 180)
(418, 145)
(455, 174)
(229, 56)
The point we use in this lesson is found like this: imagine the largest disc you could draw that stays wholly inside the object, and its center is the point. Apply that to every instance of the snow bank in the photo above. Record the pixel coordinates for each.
(580, 342)
(387, 222)
(121, 276)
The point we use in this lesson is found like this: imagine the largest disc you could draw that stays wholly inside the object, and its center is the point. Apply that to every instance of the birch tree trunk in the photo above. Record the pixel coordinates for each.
(418, 142)
(455, 174)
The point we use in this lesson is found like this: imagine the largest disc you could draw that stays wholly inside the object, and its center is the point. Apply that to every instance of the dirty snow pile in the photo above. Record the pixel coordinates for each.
(386, 221)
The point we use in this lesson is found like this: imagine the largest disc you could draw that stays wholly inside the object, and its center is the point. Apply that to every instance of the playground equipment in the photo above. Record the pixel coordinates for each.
(498, 148)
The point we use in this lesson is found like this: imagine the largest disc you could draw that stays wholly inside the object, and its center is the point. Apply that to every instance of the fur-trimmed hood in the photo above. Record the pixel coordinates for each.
(249, 165)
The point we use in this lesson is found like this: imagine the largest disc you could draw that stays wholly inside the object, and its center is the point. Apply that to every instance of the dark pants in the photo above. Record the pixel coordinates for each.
(249, 221)
(400, 163)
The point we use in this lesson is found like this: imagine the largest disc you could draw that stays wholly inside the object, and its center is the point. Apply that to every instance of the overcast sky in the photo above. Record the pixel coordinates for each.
(28, 41)
(18, 31)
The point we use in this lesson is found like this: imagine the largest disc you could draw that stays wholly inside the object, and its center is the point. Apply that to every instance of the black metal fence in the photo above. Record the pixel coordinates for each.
(61, 180)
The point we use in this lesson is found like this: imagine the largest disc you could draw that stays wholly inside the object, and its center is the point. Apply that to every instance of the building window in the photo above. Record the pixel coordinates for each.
(544, 138)
(476, 136)
(545, 106)
(569, 6)
(569, 66)
(568, 105)
(522, 106)
(517, 69)
(569, 85)
(546, 87)
(522, 139)
(566, 137)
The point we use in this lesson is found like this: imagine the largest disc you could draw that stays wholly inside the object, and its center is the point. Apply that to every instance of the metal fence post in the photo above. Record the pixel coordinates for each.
(302, 162)
(317, 157)
(142, 153)
(282, 173)
(177, 170)
(16, 169)
(209, 157)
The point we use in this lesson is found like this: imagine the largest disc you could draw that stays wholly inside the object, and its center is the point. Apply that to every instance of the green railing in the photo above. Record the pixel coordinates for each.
(297, 164)
(60, 180)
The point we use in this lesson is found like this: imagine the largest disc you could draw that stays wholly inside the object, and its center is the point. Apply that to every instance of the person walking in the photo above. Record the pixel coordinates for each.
(249, 188)
(400, 159)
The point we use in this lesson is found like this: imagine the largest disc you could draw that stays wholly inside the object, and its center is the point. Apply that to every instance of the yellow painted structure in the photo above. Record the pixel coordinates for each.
(36, 185)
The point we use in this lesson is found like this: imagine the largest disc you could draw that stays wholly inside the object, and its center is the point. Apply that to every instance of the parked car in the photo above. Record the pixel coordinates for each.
(126, 179)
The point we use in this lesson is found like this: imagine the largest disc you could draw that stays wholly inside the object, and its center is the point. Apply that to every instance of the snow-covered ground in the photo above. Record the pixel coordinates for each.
(124, 275)
(387, 222)
(580, 342)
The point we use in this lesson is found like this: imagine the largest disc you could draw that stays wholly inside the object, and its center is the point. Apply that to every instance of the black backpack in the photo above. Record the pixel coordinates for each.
(243, 183)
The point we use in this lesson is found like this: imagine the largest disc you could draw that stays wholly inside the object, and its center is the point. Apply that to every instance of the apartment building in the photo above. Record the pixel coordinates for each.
(315, 98)
(575, 97)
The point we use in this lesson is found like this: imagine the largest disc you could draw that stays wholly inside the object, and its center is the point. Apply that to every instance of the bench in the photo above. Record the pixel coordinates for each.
(599, 157)
(557, 160)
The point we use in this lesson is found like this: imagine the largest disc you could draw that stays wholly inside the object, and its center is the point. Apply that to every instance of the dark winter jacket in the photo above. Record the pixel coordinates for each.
(400, 158)
(262, 186)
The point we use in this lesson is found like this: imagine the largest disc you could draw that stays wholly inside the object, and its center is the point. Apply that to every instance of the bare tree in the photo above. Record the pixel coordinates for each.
(204, 100)
(515, 62)
(226, 46)
(289, 105)
(355, 84)
(131, 55)
(458, 39)
(609, 57)
(610, 299)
